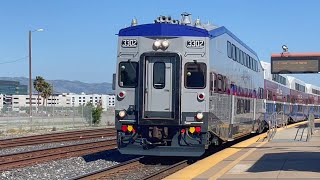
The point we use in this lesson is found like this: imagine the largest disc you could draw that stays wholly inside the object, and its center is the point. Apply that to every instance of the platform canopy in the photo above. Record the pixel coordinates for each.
(295, 63)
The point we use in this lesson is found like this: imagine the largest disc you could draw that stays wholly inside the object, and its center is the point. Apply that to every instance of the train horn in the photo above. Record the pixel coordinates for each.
(186, 18)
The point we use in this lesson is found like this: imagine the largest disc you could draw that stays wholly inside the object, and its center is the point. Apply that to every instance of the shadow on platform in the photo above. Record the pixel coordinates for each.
(289, 161)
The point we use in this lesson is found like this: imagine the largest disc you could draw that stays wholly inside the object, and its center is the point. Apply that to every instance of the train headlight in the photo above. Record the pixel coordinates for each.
(122, 114)
(157, 44)
(165, 44)
(199, 116)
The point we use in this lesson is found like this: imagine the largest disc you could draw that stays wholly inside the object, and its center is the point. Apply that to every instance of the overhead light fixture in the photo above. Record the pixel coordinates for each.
(285, 48)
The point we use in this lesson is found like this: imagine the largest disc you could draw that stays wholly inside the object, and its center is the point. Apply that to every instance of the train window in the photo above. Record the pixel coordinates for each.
(221, 83)
(237, 55)
(261, 93)
(195, 75)
(269, 95)
(241, 57)
(159, 75)
(233, 52)
(246, 106)
(244, 59)
(128, 76)
(229, 49)
(247, 60)
(240, 106)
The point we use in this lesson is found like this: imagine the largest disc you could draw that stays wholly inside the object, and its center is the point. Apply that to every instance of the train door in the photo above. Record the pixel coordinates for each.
(160, 89)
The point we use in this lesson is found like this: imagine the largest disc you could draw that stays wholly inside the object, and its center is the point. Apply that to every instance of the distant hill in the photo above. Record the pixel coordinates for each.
(66, 86)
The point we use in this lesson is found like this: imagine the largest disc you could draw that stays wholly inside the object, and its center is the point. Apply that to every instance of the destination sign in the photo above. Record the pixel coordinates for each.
(288, 66)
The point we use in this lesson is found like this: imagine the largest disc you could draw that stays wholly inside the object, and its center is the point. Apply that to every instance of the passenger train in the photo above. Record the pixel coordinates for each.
(183, 87)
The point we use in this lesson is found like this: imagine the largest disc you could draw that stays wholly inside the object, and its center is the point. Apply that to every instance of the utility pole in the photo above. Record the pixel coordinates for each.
(30, 73)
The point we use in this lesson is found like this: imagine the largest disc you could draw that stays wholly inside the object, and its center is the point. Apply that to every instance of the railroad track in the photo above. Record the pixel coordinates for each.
(57, 137)
(16, 160)
(124, 170)
(167, 171)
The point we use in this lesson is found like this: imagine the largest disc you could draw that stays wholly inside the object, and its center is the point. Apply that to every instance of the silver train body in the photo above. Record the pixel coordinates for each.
(289, 96)
(182, 88)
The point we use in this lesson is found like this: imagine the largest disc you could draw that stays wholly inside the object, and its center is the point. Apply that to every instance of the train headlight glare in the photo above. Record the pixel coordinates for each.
(199, 116)
(122, 114)
(165, 44)
(157, 44)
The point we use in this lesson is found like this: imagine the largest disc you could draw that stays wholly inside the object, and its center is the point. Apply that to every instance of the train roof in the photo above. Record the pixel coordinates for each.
(163, 29)
(292, 79)
(174, 30)
(311, 86)
(223, 30)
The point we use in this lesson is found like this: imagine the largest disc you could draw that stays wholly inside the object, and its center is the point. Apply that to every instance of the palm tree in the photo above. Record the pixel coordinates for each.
(38, 85)
(46, 93)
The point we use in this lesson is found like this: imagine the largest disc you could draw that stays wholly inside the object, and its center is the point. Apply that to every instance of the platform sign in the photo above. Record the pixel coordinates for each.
(294, 64)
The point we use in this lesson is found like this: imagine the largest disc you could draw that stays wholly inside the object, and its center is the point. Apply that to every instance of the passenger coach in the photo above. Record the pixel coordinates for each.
(182, 87)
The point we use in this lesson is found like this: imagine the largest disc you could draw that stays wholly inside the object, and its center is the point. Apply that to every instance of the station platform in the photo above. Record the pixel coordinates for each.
(287, 156)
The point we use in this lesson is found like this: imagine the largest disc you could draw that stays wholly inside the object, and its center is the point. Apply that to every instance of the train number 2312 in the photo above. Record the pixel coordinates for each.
(195, 44)
(129, 43)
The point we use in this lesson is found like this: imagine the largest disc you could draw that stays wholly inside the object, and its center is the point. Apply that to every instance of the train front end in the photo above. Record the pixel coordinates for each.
(162, 88)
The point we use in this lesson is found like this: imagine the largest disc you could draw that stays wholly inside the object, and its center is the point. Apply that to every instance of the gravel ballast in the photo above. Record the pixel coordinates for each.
(67, 168)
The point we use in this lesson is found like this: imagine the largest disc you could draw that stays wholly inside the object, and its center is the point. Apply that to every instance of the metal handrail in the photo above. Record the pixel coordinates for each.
(310, 126)
(272, 122)
(283, 122)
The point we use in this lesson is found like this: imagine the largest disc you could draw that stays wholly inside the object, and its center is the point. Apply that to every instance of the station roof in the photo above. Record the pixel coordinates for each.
(295, 55)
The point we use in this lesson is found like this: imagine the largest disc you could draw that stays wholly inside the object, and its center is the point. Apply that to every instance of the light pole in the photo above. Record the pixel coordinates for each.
(30, 74)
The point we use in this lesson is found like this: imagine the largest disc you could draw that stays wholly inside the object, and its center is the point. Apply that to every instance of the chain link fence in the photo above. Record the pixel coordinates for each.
(54, 118)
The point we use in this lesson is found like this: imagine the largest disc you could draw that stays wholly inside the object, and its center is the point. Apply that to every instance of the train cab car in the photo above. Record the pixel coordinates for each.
(183, 86)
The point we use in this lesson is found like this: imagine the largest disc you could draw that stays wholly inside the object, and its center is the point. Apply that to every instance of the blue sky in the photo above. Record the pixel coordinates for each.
(79, 41)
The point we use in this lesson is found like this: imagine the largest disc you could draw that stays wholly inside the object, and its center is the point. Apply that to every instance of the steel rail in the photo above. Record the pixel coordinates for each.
(33, 140)
(15, 160)
(103, 173)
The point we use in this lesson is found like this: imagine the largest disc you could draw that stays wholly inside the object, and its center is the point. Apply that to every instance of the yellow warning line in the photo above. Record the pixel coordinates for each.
(203, 165)
(235, 162)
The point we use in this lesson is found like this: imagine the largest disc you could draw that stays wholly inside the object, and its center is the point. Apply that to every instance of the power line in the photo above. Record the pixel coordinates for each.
(13, 61)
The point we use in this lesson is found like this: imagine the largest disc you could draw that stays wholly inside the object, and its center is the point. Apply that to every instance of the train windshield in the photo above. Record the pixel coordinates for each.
(195, 75)
(128, 74)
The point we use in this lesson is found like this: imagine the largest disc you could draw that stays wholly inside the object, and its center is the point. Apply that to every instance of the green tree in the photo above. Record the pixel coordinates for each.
(96, 115)
(92, 114)
(38, 85)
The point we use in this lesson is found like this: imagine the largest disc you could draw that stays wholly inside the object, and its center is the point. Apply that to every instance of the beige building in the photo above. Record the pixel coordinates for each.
(59, 100)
